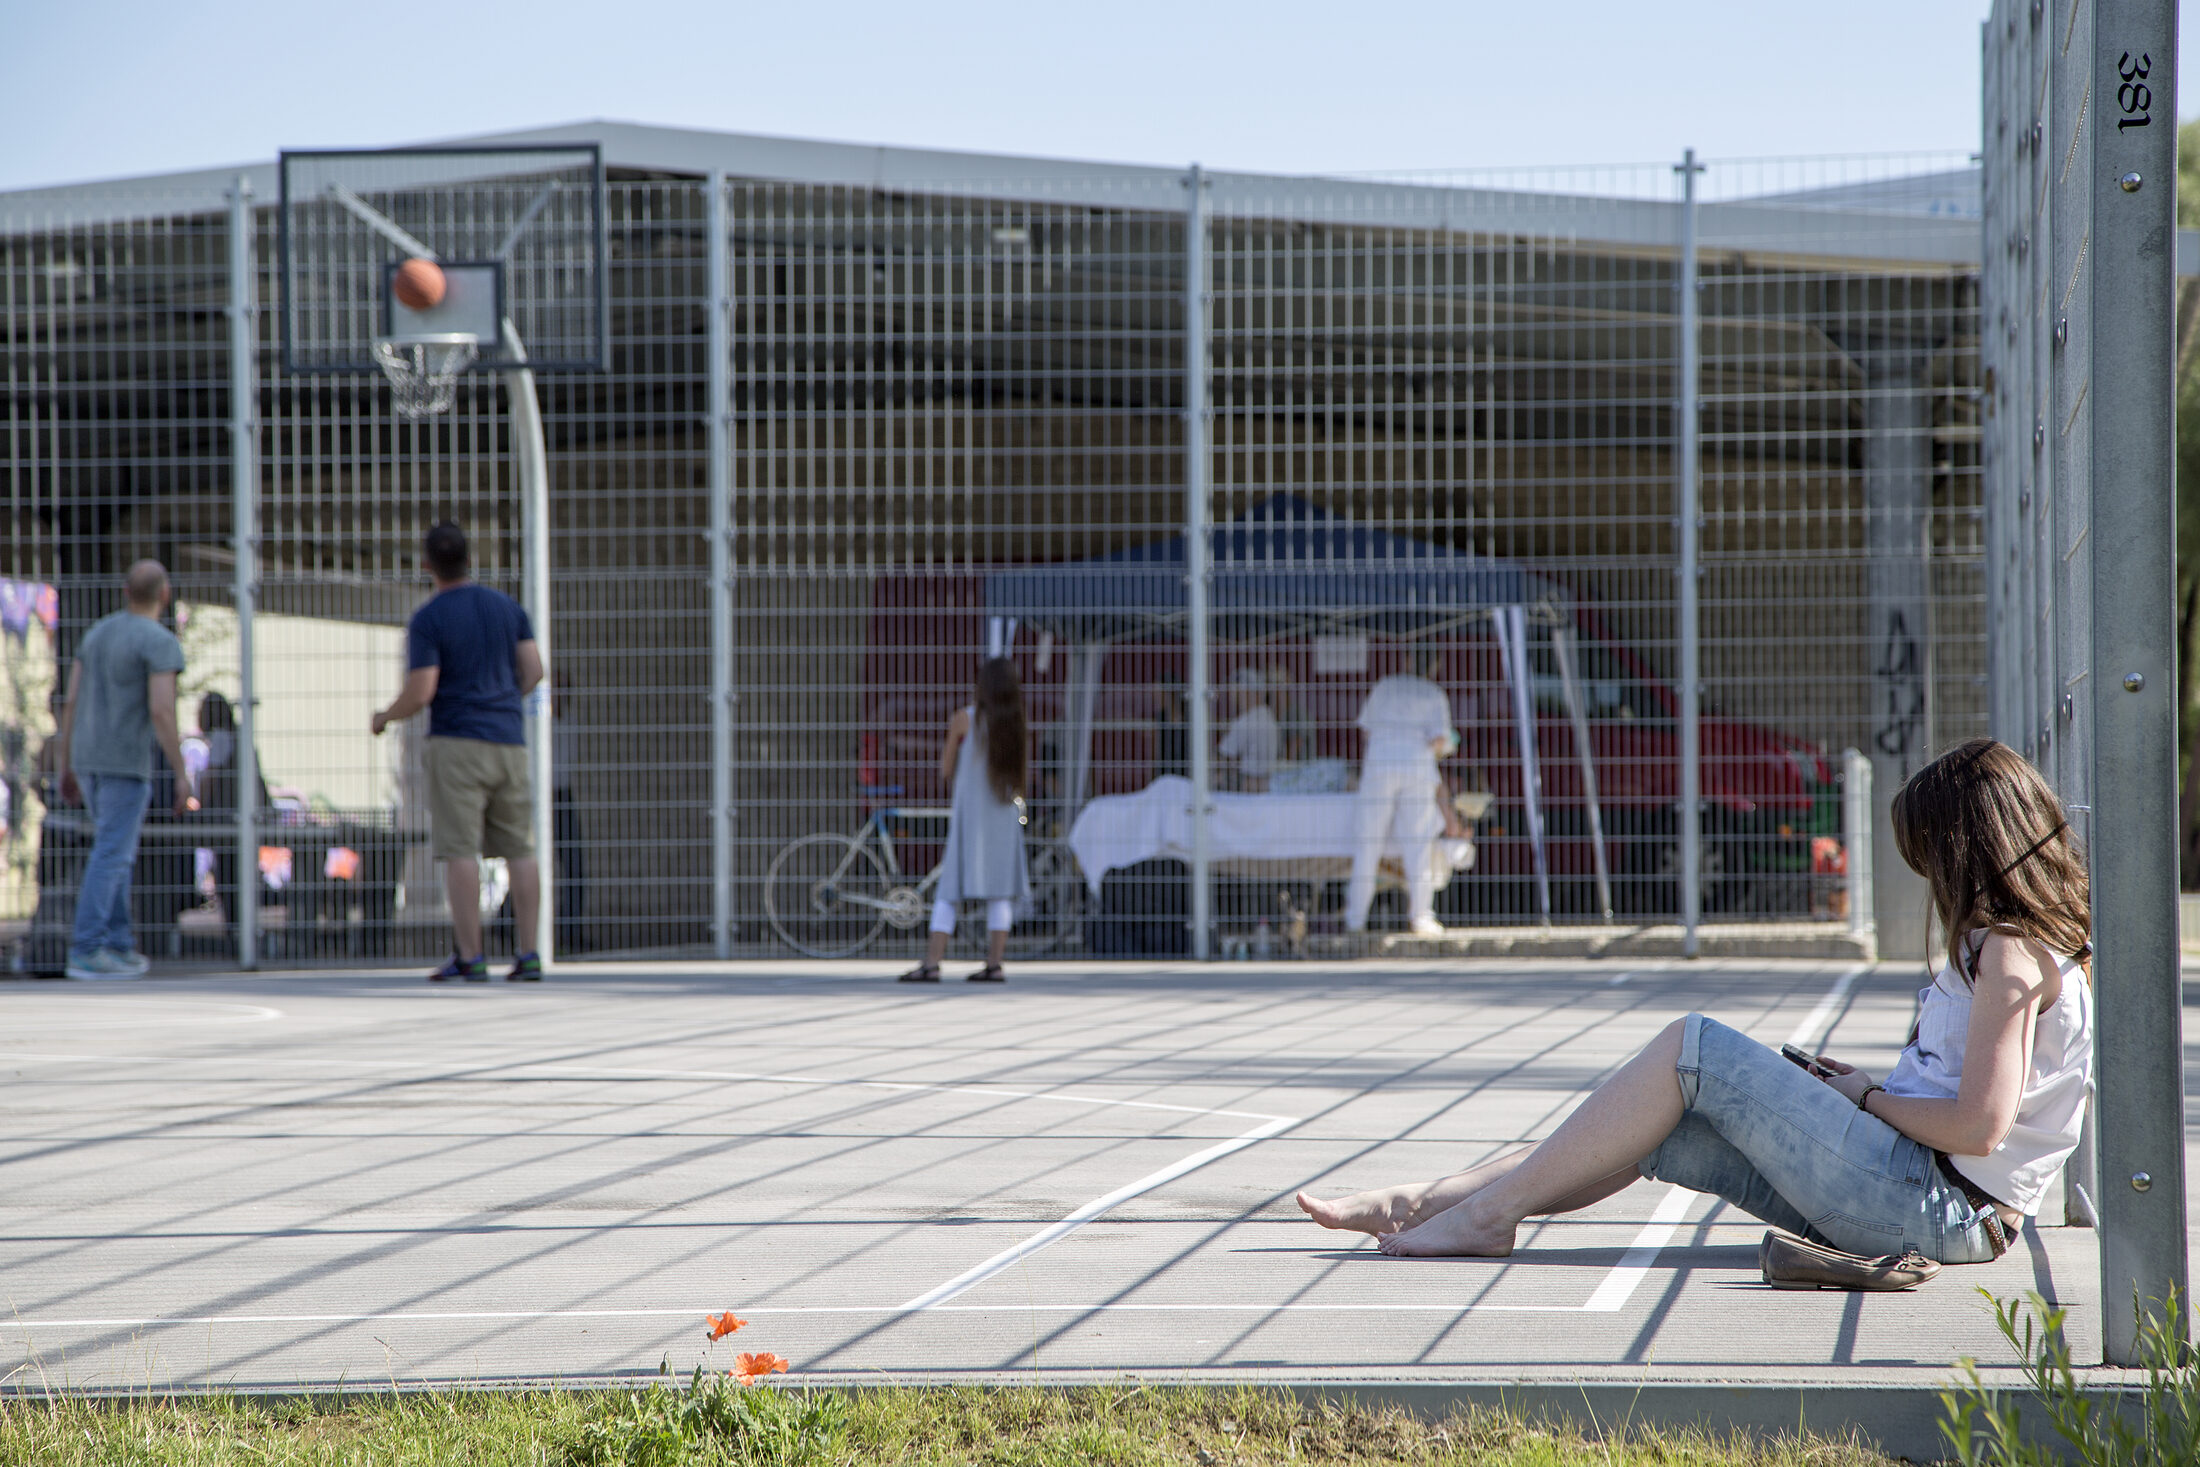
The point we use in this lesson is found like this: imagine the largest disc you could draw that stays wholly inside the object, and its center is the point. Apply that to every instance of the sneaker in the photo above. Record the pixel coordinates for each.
(138, 964)
(526, 968)
(473, 970)
(1427, 927)
(102, 966)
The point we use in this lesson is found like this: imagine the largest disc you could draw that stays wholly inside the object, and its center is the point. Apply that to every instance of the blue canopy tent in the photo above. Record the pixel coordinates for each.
(1290, 568)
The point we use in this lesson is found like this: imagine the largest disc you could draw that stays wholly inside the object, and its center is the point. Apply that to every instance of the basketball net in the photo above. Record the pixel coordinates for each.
(423, 370)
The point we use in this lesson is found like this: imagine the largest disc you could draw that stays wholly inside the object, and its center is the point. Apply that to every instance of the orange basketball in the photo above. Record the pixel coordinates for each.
(418, 284)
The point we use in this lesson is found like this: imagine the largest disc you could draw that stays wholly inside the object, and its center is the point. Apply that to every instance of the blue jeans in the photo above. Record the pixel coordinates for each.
(1760, 1132)
(117, 806)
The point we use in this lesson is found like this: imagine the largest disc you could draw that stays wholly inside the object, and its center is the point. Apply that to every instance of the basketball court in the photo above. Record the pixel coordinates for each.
(304, 1181)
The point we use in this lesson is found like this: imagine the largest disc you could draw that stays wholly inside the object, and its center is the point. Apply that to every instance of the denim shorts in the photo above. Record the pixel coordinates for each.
(1783, 1146)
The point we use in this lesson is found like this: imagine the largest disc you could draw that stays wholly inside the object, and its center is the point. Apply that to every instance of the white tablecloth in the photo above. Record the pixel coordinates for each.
(1121, 830)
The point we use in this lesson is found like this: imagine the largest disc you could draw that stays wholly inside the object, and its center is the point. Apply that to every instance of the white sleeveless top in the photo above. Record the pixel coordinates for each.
(2052, 1110)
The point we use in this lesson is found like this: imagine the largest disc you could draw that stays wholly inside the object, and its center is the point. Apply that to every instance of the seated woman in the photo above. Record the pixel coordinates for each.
(1946, 1157)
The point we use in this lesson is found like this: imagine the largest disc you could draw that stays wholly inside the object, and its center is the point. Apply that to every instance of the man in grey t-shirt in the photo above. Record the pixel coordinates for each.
(122, 696)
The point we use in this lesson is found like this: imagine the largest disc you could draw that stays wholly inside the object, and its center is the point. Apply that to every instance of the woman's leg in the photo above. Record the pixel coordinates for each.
(1392, 1209)
(1000, 916)
(1620, 1123)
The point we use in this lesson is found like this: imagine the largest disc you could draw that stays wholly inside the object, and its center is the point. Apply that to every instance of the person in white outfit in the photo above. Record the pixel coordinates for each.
(1254, 740)
(1407, 720)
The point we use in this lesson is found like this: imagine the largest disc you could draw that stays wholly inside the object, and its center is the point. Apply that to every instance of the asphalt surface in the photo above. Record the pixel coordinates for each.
(282, 1181)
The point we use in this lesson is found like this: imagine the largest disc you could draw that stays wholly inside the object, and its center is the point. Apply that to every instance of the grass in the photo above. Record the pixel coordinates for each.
(712, 1421)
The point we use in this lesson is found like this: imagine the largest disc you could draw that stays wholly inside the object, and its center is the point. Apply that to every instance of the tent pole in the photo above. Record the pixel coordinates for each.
(1512, 643)
(1196, 472)
(1084, 678)
(1562, 641)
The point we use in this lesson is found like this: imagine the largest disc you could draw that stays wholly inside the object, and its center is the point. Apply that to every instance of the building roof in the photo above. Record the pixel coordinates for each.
(1863, 228)
(1931, 218)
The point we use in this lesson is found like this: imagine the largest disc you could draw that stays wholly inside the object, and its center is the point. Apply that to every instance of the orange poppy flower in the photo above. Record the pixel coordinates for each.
(722, 1325)
(749, 1369)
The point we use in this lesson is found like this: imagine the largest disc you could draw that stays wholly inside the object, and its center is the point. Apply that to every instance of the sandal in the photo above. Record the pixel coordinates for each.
(921, 973)
(990, 973)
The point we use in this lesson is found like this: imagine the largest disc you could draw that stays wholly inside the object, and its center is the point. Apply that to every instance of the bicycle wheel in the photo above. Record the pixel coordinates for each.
(1056, 907)
(826, 896)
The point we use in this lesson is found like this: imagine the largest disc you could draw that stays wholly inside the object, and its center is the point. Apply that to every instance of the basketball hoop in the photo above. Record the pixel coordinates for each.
(423, 370)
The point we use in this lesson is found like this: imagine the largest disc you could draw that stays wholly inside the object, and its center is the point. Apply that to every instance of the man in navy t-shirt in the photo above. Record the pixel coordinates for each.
(471, 657)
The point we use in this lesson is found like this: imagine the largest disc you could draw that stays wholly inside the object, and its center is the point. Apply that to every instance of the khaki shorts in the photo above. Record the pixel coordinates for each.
(477, 800)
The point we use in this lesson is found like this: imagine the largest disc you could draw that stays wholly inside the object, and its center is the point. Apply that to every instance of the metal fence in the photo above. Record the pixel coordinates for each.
(1644, 456)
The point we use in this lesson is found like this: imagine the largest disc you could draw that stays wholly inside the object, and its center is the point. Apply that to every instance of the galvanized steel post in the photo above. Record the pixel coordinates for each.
(1197, 471)
(2131, 280)
(244, 536)
(719, 478)
(1688, 411)
(1856, 839)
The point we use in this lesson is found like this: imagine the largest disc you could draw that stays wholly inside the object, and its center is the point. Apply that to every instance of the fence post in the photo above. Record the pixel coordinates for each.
(1856, 838)
(1689, 412)
(2127, 335)
(1197, 471)
(244, 534)
(718, 287)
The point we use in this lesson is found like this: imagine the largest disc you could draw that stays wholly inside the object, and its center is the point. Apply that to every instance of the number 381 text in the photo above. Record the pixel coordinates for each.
(2135, 97)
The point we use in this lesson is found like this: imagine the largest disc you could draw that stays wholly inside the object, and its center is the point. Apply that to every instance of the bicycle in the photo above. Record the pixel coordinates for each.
(830, 895)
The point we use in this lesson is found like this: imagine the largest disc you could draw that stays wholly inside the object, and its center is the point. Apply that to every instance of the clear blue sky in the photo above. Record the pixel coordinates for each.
(92, 90)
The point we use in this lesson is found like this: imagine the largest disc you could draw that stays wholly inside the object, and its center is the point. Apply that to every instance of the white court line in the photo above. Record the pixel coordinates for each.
(252, 1013)
(700, 1311)
(1619, 1284)
(1056, 1232)
(450, 1071)
(1812, 1031)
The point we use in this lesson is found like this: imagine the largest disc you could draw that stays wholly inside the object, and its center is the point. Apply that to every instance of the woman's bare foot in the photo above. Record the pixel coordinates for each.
(1394, 1209)
(1452, 1233)
(1382, 1211)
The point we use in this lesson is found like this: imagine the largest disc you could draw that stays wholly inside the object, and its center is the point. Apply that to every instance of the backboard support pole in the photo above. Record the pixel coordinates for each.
(533, 457)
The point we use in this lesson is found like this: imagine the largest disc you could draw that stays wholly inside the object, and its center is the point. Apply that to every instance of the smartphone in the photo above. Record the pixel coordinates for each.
(1801, 1057)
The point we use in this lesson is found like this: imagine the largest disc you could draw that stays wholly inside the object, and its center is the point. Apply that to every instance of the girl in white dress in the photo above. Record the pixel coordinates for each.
(986, 753)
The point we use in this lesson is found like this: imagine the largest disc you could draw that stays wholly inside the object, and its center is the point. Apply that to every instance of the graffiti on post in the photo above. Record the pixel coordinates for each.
(1901, 700)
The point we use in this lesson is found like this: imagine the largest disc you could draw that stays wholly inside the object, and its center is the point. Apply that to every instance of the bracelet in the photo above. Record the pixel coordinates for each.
(1868, 1089)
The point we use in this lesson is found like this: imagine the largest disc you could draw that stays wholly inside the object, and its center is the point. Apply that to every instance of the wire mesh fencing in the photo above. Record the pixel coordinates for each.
(1208, 465)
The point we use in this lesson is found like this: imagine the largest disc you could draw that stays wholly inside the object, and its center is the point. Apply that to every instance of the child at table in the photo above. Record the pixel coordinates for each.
(986, 755)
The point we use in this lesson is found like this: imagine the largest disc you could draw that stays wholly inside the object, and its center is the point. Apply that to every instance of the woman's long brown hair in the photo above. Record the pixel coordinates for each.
(1986, 831)
(1001, 715)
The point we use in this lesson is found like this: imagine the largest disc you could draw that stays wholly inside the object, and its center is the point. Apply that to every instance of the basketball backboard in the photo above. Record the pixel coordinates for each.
(519, 232)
